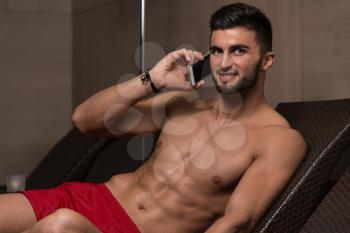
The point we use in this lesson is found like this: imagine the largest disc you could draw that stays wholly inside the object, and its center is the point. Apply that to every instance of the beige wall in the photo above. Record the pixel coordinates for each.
(35, 82)
(54, 54)
(326, 49)
(173, 24)
(105, 39)
(312, 44)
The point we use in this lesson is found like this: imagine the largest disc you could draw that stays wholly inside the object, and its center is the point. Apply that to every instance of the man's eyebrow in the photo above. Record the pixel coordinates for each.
(214, 47)
(239, 46)
(232, 47)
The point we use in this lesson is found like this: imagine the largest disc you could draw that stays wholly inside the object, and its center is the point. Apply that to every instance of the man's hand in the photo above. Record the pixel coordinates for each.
(172, 72)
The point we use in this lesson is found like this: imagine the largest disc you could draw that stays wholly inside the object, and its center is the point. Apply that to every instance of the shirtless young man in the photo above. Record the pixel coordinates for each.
(218, 164)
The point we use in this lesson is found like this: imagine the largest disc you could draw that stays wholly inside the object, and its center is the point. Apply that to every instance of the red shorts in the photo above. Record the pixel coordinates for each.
(93, 201)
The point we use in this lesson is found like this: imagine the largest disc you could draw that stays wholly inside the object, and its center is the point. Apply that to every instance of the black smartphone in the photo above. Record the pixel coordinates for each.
(200, 69)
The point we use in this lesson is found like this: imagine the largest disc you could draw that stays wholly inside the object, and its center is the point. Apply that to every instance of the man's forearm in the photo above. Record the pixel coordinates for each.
(89, 116)
(112, 105)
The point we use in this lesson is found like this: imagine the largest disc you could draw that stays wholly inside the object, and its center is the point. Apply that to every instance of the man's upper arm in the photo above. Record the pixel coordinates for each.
(266, 177)
(146, 116)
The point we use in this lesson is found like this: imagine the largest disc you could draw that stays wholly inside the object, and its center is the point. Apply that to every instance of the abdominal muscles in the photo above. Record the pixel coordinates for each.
(188, 181)
(178, 206)
(176, 191)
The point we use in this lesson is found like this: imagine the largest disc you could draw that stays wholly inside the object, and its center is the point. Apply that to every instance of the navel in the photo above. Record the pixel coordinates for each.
(186, 154)
(141, 207)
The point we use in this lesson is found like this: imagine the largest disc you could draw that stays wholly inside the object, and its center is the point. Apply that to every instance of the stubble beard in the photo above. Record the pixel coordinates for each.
(245, 83)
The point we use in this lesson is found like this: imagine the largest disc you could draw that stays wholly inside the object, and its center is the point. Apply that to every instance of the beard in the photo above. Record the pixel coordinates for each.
(247, 82)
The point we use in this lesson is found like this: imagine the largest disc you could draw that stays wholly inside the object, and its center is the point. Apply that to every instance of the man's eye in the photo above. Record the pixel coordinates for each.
(215, 52)
(239, 51)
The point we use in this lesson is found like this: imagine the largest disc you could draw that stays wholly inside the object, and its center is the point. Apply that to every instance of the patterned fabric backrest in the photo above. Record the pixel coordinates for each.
(325, 126)
(333, 214)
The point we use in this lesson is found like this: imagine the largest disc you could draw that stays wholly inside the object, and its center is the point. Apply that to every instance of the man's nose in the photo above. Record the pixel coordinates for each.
(226, 62)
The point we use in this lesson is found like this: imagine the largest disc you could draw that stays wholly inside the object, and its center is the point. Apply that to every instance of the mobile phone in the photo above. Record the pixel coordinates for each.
(200, 69)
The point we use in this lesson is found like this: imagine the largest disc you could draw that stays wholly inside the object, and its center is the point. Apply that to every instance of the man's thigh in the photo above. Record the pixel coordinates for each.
(64, 221)
(16, 213)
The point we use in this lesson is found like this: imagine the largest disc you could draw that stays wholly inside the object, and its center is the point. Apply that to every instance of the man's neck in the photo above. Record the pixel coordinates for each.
(240, 104)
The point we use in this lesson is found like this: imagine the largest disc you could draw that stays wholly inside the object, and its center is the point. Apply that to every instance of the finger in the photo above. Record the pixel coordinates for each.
(187, 86)
(193, 56)
(180, 56)
(199, 84)
(185, 54)
(198, 55)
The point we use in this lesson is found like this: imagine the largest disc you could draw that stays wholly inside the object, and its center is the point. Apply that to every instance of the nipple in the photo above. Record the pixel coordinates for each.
(159, 144)
(216, 179)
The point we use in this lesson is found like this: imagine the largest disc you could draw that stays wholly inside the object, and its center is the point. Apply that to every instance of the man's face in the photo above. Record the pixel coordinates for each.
(235, 59)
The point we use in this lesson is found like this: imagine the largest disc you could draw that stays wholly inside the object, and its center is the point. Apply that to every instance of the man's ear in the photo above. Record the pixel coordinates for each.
(267, 61)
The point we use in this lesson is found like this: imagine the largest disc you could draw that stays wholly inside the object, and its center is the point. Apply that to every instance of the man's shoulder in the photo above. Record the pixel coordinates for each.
(271, 118)
(282, 141)
(275, 133)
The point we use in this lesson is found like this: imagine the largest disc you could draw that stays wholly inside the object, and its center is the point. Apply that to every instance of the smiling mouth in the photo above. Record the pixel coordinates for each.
(227, 77)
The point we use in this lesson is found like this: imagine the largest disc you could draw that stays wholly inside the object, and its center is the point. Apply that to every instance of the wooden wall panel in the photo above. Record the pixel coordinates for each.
(173, 24)
(35, 84)
(40, 6)
(104, 43)
(326, 49)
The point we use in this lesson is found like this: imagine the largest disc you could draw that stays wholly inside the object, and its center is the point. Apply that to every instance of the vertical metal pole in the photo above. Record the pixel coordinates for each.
(142, 63)
(142, 35)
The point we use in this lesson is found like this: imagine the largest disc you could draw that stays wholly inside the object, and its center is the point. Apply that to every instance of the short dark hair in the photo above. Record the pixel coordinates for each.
(243, 15)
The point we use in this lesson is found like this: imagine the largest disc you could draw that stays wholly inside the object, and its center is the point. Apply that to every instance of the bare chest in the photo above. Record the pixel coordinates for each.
(207, 153)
